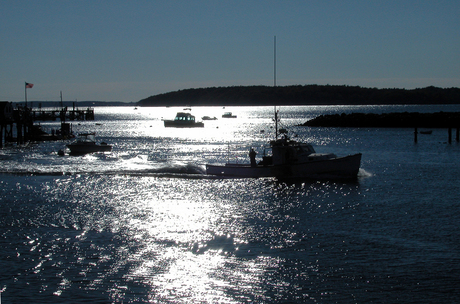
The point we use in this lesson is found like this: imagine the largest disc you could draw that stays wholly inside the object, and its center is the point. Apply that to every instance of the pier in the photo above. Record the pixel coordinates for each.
(64, 114)
(17, 124)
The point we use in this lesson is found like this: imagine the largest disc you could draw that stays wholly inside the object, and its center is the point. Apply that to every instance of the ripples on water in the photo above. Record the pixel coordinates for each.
(143, 224)
(141, 238)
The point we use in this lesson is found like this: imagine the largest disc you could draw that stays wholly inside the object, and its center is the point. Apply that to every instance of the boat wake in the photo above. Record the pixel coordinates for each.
(189, 171)
(363, 173)
(177, 170)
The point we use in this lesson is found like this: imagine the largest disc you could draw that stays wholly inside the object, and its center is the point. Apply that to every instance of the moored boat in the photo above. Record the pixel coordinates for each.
(86, 143)
(209, 118)
(426, 132)
(183, 120)
(228, 115)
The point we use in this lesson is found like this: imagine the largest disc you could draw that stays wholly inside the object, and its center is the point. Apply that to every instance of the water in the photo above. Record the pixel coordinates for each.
(145, 224)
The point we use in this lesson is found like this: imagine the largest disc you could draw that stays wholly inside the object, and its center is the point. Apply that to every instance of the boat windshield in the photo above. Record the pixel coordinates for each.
(185, 118)
(86, 138)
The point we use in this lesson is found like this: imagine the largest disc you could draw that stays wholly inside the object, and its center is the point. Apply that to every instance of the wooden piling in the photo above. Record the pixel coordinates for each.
(415, 135)
(450, 135)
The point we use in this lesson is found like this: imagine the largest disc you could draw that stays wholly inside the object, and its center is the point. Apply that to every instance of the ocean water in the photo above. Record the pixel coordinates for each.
(144, 224)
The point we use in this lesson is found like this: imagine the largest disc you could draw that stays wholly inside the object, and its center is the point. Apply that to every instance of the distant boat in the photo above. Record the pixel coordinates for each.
(208, 118)
(228, 115)
(86, 143)
(426, 132)
(183, 120)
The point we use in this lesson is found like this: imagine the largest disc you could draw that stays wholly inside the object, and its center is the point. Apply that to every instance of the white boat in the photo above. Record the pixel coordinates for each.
(183, 120)
(291, 160)
(86, 143)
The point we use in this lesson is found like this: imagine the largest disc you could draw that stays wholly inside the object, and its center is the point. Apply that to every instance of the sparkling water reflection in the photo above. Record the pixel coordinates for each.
(144, 224)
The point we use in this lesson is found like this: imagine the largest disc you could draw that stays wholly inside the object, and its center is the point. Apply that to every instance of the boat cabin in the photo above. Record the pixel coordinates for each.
(185, 117)
(86, 138)
(287, 151)
(183, 120)
(228, 115)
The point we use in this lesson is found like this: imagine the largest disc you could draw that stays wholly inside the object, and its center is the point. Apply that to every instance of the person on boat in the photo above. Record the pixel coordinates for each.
(252, 157)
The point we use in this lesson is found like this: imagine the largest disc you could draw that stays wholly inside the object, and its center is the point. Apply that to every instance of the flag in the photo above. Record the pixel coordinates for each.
(29, 85)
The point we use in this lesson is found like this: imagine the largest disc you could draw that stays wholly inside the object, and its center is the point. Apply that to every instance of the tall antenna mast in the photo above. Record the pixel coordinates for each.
(274, 63)
(274, 85)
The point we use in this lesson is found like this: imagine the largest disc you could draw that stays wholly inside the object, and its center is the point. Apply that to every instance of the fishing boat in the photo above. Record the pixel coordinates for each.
(86, 143)
(183, 120)
(290, 159)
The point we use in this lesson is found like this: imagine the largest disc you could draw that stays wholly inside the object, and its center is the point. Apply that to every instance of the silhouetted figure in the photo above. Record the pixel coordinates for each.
(252, 156)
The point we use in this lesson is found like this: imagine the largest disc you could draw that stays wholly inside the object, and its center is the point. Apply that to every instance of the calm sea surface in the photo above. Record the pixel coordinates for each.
(144, 224)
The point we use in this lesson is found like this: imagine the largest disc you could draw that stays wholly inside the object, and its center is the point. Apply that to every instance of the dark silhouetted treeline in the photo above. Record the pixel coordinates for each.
(302, 95)
(388, 120)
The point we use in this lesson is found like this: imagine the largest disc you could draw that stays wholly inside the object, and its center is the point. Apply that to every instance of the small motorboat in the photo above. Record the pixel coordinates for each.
(86, 143)
(228, 115)
(208, 118)
(183, 120)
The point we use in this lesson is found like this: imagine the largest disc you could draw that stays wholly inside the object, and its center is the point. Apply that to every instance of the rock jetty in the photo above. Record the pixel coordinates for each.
(388, 120)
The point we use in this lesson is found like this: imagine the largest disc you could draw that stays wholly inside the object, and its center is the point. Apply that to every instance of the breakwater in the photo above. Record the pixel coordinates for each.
(388, 120)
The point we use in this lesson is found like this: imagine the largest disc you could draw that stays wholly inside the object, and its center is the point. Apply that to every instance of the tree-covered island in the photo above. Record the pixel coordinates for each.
(301, 95)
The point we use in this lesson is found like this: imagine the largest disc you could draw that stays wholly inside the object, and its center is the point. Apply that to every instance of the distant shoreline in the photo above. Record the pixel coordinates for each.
(302, 95)
(295, 95)
(80, 104)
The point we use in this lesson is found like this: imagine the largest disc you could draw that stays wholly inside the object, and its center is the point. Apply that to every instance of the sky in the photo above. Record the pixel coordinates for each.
(111, 50)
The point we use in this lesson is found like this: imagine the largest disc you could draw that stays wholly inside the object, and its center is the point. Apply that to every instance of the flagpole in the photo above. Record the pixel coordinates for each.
(25, 92)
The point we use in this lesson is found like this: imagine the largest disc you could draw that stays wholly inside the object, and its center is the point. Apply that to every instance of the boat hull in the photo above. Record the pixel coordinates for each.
(340, 167)
(180, 124)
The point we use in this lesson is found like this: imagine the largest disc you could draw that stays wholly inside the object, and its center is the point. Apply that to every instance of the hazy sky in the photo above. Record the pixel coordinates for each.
(129, 50)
